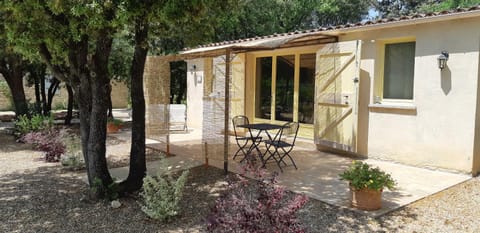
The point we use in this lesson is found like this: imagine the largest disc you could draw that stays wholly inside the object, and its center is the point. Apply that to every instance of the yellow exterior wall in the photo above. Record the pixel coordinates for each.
(437, 128)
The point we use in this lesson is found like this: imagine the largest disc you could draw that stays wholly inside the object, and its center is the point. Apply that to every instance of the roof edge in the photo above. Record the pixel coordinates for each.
(406, 21)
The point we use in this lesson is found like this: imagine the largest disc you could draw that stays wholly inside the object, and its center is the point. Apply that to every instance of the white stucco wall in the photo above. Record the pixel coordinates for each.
(195, 79)
(440, 132)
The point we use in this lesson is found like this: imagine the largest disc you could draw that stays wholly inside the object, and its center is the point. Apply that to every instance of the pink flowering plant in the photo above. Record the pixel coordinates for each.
(258, 207)
(362, 176)
(49, 141)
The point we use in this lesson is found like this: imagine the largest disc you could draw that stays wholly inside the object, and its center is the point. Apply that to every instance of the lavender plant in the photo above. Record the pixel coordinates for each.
(162, 195)
(262, 207)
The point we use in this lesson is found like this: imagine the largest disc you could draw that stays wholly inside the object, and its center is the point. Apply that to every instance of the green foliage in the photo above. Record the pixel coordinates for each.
(37, 122)
(395, 8)
(248, 17)
(73, 157)
(60, 106)
(115, 121)
(5, 91)
(360, 175)
(110, 192)
(161, 196)
(121, 57)
(447, 5)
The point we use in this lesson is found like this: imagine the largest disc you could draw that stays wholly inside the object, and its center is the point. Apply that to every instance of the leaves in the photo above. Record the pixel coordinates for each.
(360, 175)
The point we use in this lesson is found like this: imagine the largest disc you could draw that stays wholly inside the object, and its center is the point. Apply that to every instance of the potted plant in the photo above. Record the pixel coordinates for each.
(366, 185)
(113, 125)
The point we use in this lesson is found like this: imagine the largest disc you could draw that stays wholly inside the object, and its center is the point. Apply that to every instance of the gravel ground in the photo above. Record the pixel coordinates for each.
(43, 197)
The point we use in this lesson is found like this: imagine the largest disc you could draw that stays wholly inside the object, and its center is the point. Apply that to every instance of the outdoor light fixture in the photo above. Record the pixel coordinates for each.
(442, 60)
(193, 69)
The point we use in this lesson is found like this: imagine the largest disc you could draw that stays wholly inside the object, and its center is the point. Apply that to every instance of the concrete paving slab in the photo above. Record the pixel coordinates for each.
(317, 174)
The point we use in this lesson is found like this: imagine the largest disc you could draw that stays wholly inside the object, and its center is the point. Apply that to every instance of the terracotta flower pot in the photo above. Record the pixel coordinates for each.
(366, 199)
(112, 128)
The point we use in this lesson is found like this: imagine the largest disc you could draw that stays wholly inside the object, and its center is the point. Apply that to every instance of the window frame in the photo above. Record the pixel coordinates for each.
(296, 52)
(378, 94)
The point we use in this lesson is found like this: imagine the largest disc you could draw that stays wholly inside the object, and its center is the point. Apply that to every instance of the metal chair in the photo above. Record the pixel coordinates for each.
(241, 138)
(282, 144)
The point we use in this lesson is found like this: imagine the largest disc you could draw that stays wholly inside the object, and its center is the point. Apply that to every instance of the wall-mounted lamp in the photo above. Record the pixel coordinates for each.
(193, 68)
(442, 60)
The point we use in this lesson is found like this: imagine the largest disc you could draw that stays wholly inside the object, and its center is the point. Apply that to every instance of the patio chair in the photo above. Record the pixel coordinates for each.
(242, 136)
(282, 144)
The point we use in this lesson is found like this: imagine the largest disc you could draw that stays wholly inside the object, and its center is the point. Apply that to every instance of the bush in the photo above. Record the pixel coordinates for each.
(37, 122)
(48, 141)
(263, 207)
(5, 91)
(109, 192)
(73, 161)
(162, 195)
(73, 157)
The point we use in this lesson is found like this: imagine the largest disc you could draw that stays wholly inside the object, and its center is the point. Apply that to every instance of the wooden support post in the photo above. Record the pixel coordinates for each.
(206, 154)
(227, 109)
(168, 128)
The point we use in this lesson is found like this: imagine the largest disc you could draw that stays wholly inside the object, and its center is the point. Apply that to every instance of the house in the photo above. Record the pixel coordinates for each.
(373, 88)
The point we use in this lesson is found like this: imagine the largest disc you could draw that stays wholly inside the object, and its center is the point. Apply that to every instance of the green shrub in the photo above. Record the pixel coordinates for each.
(110, 192)
(37, 122)
(162, 195)
(73, 157)
(60, 106)
(5, 91)
(115, 121)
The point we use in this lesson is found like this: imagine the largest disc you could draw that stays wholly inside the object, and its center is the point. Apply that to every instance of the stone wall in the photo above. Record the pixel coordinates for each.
(120, 95)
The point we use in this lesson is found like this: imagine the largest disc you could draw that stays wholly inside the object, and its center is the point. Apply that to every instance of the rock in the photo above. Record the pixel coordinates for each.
(115, 204)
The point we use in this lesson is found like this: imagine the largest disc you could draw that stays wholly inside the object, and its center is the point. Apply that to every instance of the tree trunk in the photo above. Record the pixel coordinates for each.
(99, 82)
(110, 106)
(13, 74)
(68, 117)
(138, 168)
(18, 95)
(44, 96)
(54, 83)
(38, 100)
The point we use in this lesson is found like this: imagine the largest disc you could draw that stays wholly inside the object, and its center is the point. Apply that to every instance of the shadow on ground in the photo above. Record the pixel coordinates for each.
(49, 200)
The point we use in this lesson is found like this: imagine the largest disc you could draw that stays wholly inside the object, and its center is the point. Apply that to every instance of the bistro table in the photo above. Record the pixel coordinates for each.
(260, 127)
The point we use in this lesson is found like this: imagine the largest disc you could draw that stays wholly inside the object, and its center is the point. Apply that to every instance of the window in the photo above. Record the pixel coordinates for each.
(284, 88)
(398, 70)
(285, 84)
(263, 92)
(307, 88)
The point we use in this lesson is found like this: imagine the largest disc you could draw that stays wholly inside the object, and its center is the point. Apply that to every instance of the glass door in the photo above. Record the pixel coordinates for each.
(284, 90)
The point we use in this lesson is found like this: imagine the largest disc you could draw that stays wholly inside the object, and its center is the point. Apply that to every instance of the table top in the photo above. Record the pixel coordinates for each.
(261, 126)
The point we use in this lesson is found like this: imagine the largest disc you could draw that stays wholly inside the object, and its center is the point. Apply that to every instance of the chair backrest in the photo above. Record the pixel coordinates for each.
(239, 120)
(289, 132)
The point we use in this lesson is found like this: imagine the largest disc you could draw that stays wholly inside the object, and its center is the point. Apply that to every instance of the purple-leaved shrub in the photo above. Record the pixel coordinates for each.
(258, 207)
(49, 141)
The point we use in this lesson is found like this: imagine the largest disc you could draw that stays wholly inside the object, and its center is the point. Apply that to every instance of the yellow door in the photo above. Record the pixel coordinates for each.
(336, 96)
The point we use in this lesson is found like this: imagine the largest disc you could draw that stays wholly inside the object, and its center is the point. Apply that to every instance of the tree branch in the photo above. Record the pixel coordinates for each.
(58, 71)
